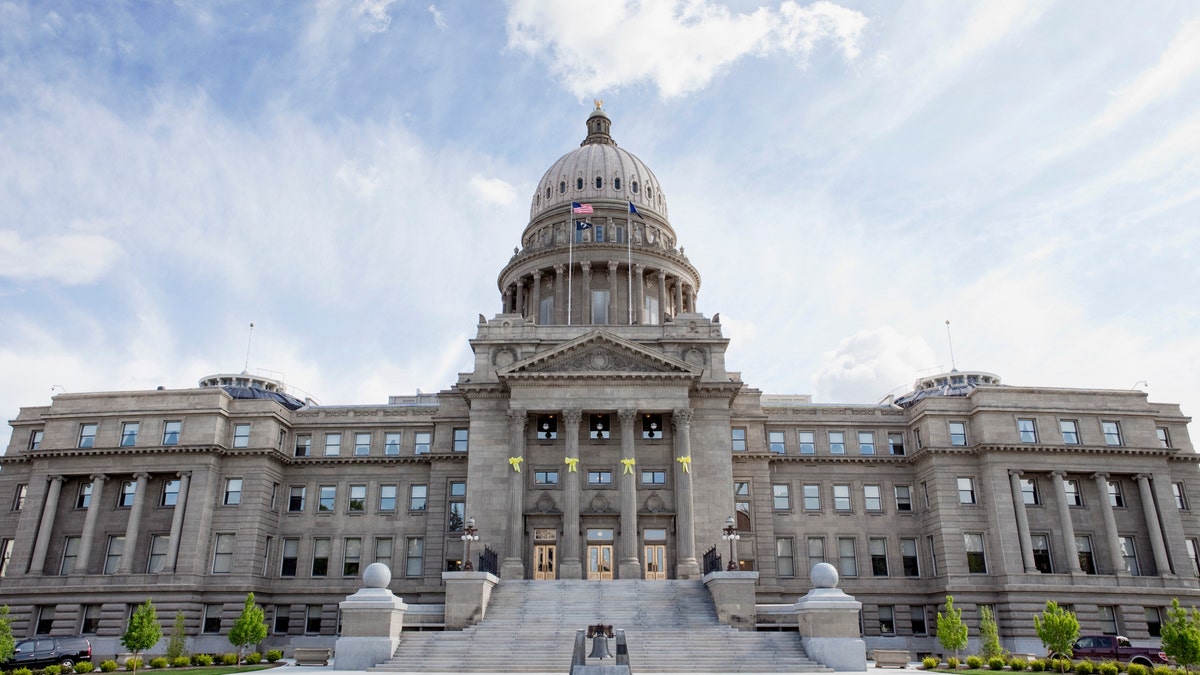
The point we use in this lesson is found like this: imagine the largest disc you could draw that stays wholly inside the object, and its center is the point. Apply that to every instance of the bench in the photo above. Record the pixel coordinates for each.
(311, 656)
(890, 658)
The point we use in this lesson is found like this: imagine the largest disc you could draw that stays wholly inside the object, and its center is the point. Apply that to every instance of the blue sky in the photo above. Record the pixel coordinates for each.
(351, 176)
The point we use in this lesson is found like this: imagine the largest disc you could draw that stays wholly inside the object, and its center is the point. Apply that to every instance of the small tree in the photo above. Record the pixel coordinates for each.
(989, 636)
(143, 632)
(7, 644)
(952, 632)
(1058, 629)
(177, 645)
(1181, 635)
(250, 628)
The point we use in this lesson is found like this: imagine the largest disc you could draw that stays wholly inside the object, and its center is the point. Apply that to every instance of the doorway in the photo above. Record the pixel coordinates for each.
(600, 562)
(655, 561)
(544, 561)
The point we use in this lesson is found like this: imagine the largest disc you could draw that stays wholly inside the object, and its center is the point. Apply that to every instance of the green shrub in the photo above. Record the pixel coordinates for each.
(181, 662)
(930, 662)
(1084, 667)
(53, 669)
(1108, 668)
(1018, 663)
(252, 658)
(133, 663)
(205, 660)
(84, 667)
(953, 662)
(159, 662)
(229, 659)
(21, 671)
(110, 665)
(1037, 665)
(274, 655)
(1163, 670)
(997, 663)
(1137, 669)
(974, 662)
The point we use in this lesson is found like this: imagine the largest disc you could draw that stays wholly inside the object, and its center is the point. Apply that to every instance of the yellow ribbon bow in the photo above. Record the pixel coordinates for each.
(571, 463)
(628, 462)
(515, 463)
(686, 461)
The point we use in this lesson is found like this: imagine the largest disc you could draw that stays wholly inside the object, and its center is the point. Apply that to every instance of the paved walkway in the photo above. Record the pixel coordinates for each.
(332, 669)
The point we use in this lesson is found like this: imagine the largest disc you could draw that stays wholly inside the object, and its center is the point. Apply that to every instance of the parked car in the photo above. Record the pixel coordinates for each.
(1115, 648)
(45, 651)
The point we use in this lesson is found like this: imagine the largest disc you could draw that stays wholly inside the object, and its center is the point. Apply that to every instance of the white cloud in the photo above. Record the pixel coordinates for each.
(373, 16)
(439, 19)
(69, 259)
(678, 45)
(493, 190)
(869, 364)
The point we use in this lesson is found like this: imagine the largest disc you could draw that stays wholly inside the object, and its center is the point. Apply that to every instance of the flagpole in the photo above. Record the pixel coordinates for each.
(570, 258)
(629, 258)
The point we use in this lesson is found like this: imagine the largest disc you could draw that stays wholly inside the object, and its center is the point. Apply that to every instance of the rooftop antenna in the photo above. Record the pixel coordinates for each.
(949, 339)
(246, 368)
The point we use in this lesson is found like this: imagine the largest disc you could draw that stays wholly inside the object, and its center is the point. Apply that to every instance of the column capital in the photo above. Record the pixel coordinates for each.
(1016, 472)
(99, 477)
(183, 474)
(537, 275)
(682, 418)
(586, 266)
(56, 478)
(1058, 473)
(572, 416)
(627, 416)
(1144, 476)
(559, 269)
(518, 418)
(662, 275)
(639, 268)
(140, 475)
(612, 266)
(1100, 475)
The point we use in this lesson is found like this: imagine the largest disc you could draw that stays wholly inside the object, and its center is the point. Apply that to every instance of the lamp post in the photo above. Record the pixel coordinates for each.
(731, 535)
(470, 534)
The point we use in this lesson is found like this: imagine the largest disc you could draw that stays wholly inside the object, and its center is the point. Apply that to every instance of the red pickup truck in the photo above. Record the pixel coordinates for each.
(1115, 648)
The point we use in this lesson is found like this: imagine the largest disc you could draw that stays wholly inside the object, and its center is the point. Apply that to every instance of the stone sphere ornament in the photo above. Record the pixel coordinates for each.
(377, 575)
(824, 575)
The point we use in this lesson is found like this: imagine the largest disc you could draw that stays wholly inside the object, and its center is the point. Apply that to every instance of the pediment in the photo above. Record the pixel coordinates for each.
(599, 354)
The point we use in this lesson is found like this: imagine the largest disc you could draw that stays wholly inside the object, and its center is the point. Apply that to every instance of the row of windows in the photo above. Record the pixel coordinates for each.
(918, 625)
(835, 442)
(599, 426)
(129, 434)
(811, 494)
(599, 477)
(422, 442)
(599, 183)
(211, 622)
(1027, 431)
(357, 498)
(1031, 492)
(352, 552)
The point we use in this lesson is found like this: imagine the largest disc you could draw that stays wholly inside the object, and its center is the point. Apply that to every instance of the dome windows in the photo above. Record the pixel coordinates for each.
(650, 193)
(578, 183)
(562, 187)
(634, 186)
(599, 182)
(547, 192)
(617, 184)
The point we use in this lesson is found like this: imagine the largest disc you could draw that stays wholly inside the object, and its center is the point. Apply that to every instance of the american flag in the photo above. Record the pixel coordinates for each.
(578, 208)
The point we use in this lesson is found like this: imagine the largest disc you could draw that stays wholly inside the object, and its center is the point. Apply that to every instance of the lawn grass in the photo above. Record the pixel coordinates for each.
(207, 670)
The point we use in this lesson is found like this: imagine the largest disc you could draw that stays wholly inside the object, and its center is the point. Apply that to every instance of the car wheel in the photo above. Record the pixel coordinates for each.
(1141, 660)
(67, 664)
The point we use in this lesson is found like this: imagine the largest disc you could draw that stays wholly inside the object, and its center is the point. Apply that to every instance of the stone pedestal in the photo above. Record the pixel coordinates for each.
(371, 622)
(570, 569)
(828, 621)
(467, 596)
(733, 595)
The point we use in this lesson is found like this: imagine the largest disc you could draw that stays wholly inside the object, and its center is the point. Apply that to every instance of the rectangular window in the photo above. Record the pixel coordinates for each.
(651, 305)
(546, 306)
(878, 550)
(896, 443)
(158, 553)
(654, 477)
(545, 478)
(1074, 496)
(320, 560)
(918, 620)
(233, 491)
(812, 497)
(847, 562)
(304, 445)
(866, 442)
(887, 620)
(6, 546)
(112, 554)
(837, 443)
(296, 498)
(283, 619)
(903, 499)
(126, 495)
(362, 444)
(170, 493)
(414, 556)
(1108, 619)
(35, 439)
(1153, 621)
(782, 496)
(1116, 496)
(1164, 438)
(223, 554)
(461, 437)
(909, 558)
(422, 440)
(600, 306)
(1029, 492)
(872, 498)
(599, 477)
(358, 499)
(351, 556)
(290, 558)
(129, 433)
(1193, 551)
(841, 497)
(45, 622)
(171, 432)
(808, 442)
(1087, 562)
(1070, 431)
(84, 498)
(966, 490)
(739, 439)
(241, 435)
(333, 444)
(776, 442)
(391, 443)
(387, 497)
(19, 496)
(90, 620)
(958, 433)
(816, 551)
(1112, 432)
(268, 544)
(87, 435)
(1129, 553)
(383, 551)
(546, 427)
(312, 619)
(1181, 501)
(976, 559)
(598, 426)
(457, 516)
(212, 619)
(1028, 430)
(1041, 553)
(326, 498)
(785, 560)
(70, 554)
(417, 496)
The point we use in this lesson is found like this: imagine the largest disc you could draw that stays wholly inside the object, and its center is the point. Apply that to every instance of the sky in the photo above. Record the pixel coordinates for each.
(350, 177)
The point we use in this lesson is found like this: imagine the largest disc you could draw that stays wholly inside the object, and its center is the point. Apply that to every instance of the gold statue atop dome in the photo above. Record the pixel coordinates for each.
(599, 103)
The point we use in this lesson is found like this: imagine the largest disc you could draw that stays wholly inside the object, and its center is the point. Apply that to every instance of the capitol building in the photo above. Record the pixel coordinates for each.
(599, 435)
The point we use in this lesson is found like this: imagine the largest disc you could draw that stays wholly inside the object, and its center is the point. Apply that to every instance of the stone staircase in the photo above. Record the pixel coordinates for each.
(671, 627)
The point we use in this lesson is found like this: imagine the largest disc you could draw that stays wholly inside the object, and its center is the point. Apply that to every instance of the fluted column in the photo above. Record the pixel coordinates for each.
(1110, 525)
(513, 566)
(508, 299)
(691, 299)
(560, 295)
(1064, 521)
(570, 564)
(520, 306)
(89, 525)
(639, 291)
(686, 566)
(1153, 528)
(585, 301)
(37, 564)
(678, 296)
(1014, 483)
(535, 298)
(662, 296)
(134, 527)
(612, 292)
(629, 565)
(185, 478)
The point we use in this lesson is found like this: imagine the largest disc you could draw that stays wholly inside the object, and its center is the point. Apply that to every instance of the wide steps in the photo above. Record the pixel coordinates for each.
(530, 626)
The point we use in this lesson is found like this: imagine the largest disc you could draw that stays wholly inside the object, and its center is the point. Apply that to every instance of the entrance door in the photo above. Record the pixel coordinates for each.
(544, 561)
(655, 557)
(600, 561)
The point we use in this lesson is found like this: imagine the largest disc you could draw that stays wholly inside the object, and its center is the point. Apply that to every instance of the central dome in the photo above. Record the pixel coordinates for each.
(597, 171)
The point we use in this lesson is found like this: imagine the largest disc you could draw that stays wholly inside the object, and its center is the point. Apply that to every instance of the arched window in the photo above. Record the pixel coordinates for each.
(650, 193)
(599, 182)
(547, 192)
(578, 183)
(617, 184)
(634, 186)
(562, 187)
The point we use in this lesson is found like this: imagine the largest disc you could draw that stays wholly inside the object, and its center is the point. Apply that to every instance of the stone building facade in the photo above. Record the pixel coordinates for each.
(598, 435)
